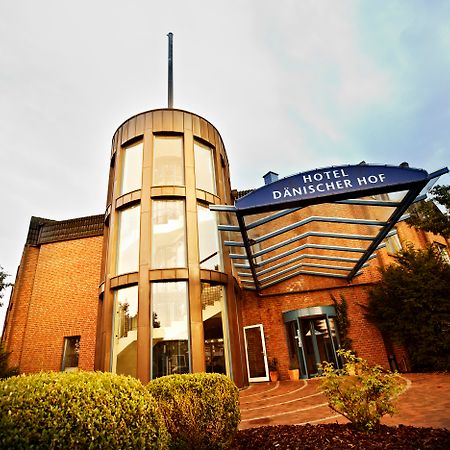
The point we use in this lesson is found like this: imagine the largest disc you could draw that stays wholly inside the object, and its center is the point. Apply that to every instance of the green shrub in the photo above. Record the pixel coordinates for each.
(201, 410)
(361, 393)
(79, 410)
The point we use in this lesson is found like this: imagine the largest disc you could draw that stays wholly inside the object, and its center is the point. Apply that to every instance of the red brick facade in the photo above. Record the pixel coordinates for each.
(55, 296)
(310, 291)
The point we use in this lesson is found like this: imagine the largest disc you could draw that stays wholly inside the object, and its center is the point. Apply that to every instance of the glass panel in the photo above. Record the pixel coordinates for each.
(125, 331)
(131, 168)
(70, 354)
(255, 352)
(204, 168)
(335, 337)
(317, 343)
(308, 347)
(128, 240)
(208, 238)
(294, 345)
(168, 234)
(168, 161)
(324, 345)
(216, 342)
(393, 244)
(170, 328)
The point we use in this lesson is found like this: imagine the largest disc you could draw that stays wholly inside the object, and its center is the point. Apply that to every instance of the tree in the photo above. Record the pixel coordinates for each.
(411, 305)
(428, 217)
(3, 283)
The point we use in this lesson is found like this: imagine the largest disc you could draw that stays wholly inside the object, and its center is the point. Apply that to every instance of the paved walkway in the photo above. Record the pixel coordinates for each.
(425, 403)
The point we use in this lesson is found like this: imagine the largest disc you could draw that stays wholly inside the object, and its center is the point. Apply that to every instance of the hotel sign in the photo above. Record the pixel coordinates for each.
(340, 182)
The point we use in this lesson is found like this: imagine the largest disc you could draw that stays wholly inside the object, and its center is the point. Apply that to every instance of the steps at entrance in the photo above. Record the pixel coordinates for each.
(287, 402)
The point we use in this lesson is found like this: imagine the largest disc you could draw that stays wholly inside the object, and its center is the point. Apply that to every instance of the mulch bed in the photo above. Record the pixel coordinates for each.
(336, 436)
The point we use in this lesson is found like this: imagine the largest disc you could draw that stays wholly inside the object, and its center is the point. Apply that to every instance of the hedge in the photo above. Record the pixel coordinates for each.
(79, 410)
(201, 410)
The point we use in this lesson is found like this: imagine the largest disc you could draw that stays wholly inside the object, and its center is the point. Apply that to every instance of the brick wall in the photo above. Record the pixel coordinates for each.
(306, 291)
(17, 314)
(367, 340)
(61, 300)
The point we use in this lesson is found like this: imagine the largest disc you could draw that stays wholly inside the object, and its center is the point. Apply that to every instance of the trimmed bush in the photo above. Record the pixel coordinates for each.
(361, 393)
(79, 410)
(201, 410)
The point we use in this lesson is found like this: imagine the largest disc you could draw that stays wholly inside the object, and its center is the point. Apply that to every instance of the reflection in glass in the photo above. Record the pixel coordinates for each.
(168, 234)
(168, 165)
(131, 168)
(125, 331)
(214, 328)
(208, 238)
(204, 168)
(170, 345)
(71, 353)
(128, 240)
(317, 343)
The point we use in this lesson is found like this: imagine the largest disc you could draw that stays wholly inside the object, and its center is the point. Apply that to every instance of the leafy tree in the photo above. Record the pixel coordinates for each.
(411, 306)
(343, 321)
(3, 283)
(428, 217)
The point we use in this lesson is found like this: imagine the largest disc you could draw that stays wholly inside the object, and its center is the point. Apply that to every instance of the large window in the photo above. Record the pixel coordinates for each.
(128, 240)
(70, 354)
(168, 161)
(131, 178)
(214, 328)
(208, 238)
(168, 234)
(170, 344)
(125, 331)
(204, 168)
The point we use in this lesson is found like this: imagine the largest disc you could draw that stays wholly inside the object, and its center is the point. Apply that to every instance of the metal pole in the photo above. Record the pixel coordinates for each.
(170, 90)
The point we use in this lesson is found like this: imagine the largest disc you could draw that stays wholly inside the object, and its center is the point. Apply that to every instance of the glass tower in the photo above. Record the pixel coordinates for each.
(168, 297)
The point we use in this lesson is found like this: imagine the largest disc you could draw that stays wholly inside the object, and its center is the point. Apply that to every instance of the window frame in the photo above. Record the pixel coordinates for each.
(64, 367)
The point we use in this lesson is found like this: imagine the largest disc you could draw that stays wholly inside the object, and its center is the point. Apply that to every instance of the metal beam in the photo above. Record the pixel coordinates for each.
(395, 216)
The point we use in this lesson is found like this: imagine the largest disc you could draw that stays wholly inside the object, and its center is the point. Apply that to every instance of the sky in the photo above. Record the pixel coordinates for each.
(290, 85)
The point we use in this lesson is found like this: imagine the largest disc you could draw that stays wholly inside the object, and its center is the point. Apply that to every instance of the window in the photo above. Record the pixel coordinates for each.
(214, 328)
(204, 168)
(170, 344)
(125, 331)
(393, 244)
(443, 251)
(131, 178)
(70, 354)
(168, 234)
(208, 238)
(128, 240)
(168, 161)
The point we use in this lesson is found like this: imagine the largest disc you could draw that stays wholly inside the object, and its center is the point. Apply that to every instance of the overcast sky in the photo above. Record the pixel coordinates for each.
(291, 85)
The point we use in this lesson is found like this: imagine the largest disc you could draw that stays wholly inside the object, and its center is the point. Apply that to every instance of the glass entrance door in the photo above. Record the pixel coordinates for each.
(255, 350)
(312, 339)
(318, 335)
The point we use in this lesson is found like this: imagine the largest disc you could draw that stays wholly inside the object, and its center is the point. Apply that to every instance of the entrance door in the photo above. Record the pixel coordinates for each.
(318, 337)
(312, 340)
(255, 351)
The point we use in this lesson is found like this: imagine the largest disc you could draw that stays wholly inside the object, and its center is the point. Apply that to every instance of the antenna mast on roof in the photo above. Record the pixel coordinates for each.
(170, 91)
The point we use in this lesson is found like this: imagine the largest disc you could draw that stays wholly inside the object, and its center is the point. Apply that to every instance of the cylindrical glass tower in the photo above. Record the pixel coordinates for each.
(168, 301)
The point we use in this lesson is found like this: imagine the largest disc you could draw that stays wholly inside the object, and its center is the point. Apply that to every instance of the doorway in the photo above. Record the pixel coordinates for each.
(312, 338)
(255, 352)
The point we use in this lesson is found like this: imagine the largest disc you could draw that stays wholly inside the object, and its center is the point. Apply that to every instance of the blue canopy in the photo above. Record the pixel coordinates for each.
(284, 230)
